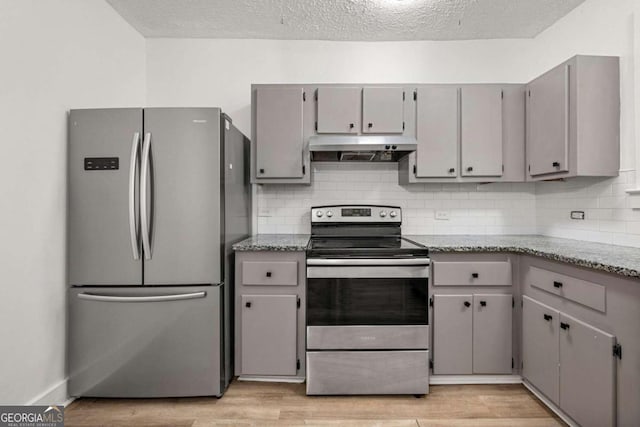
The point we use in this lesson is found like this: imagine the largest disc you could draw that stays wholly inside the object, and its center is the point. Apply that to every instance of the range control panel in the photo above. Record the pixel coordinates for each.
(101, 163)
(356, 214)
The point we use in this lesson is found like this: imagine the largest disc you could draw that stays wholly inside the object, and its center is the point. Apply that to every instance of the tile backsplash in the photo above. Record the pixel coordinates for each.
(608, 217)
(498, 208)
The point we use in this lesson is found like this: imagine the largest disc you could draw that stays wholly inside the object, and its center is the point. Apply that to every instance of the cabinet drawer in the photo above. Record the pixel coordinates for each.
(278, 273)
(586, 293)
(496, 273)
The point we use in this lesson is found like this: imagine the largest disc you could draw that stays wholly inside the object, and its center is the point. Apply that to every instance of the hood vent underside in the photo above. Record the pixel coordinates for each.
(360, 148)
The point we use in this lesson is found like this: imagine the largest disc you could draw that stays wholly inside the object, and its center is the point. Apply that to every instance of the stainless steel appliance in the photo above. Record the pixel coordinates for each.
(156, 198)
(367, 322)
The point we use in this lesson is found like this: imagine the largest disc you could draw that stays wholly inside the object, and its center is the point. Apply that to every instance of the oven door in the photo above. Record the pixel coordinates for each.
(367, 292)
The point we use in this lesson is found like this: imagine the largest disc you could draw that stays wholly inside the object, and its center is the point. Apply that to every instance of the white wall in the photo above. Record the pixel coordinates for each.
(599, 27)
(56, 55)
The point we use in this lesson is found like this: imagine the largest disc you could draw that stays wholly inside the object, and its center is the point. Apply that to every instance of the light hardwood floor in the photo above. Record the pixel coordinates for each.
(269, 404)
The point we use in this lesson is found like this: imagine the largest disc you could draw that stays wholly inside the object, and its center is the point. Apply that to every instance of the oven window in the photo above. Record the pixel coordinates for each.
(366, 301)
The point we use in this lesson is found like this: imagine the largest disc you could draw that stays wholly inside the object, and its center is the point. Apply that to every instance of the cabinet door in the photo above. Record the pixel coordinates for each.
(452, 329)
(279, 138)
(492, 349)
(339, 109)
(481, 130)
(540, 347)
(269, 329)
(587, 373)
(382, 110)
(548, 122)
(437, 132)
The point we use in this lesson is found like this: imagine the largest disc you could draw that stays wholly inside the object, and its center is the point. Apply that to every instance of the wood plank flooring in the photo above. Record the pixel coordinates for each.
(281, 404)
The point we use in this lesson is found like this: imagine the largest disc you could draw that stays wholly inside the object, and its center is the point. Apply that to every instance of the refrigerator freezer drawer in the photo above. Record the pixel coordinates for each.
(367, 372)
(144, 342)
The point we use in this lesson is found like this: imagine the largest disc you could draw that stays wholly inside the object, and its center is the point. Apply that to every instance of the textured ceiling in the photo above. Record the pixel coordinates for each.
(343, 19)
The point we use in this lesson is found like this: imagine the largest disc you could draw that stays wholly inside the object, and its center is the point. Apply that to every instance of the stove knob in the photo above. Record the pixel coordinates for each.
(329, 214)
(393, 214)
(383, 214)
(319, 214)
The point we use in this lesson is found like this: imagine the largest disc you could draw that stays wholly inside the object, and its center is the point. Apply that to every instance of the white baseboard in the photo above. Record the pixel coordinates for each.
(549, 404)
(474, 379)
(54, 395)
(272, 379)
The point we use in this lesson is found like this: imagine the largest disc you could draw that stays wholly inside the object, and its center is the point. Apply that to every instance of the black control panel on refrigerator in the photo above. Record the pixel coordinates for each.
(101, 163)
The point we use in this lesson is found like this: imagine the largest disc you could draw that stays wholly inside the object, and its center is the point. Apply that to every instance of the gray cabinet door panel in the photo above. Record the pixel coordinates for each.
(339, 109)
(587, 373)
(382, 110)
(269, 342)
(540, 347)
(437, 132)
(186, 202)
(548, 122)
(279, 132)
(452, 334)
(492, 348)
(100, 248)
(481, 130)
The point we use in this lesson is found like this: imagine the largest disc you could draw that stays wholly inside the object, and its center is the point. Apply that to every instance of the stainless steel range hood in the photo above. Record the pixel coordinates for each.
(353, 148)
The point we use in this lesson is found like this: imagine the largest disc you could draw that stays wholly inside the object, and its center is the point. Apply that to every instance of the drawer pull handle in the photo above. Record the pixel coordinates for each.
(557, 284)
(452, 170)
(470, 169)
(370, 125)
(247, 304)
(483, 303)
(564, 325)
(475, 275)
(467, 304)
(556, 164)
(548, 317)
(351, 125)
(268, 274)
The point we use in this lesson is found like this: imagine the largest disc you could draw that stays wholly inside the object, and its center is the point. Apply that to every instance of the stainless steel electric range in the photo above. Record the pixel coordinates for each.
(367, 304)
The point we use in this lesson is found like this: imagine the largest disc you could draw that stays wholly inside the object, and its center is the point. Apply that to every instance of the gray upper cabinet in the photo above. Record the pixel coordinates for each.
(540, 347)
(437, 131)
(278, 137)
(339, 109)
(382, 110)
(481, 130)
(452, 334)
(492, 346)
(573, 119)
(587, 373)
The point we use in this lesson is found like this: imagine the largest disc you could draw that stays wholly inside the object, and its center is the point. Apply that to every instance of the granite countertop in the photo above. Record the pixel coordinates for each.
(273, 242)
(621, 260)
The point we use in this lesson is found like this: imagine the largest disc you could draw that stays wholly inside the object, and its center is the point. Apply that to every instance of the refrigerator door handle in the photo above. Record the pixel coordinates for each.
(144, 214)
(133, 222)
(151, 298)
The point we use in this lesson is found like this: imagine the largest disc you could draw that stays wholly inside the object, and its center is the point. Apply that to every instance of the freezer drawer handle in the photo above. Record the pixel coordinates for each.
(133, 223)
(151, 298)
(144, 172)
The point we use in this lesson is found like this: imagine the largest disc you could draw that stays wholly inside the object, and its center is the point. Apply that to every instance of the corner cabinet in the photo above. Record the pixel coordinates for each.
(269, 315)
(467, 133)
(573, 120)
(280, 130)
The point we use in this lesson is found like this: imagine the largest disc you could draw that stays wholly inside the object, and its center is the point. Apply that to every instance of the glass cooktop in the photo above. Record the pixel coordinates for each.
(364, 246)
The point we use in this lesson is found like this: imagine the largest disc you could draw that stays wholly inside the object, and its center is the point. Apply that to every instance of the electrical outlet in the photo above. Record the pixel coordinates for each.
(442, 215)
(577, 214)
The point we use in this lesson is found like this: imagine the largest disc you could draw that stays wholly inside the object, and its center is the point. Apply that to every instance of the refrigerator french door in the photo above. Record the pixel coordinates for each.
(145, 251)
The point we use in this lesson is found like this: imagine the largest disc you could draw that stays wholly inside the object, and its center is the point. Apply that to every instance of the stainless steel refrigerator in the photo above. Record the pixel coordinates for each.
(156, 198)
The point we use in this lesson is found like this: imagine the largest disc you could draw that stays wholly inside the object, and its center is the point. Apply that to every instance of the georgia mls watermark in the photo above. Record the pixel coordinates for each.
(31, 416)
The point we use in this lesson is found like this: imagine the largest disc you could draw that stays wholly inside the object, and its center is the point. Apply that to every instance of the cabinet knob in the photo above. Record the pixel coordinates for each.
(475, 275)
(268, 274)
(557, 284)
(370, 125)
(564, 326)
(261, 170)
(483, 303)
(247, 304)
(452, 170)
(467, 304)
(351, 125)
(470, 168)
(548, 317)
(556, 164)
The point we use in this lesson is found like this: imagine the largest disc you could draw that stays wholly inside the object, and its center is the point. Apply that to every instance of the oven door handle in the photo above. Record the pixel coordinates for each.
(366, 261)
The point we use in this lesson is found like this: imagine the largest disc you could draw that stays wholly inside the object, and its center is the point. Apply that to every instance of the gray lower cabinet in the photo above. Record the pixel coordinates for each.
(382, 110)
(270, 314)
(570, 362)
(339, 109)
(472, 334)
(269, 334)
